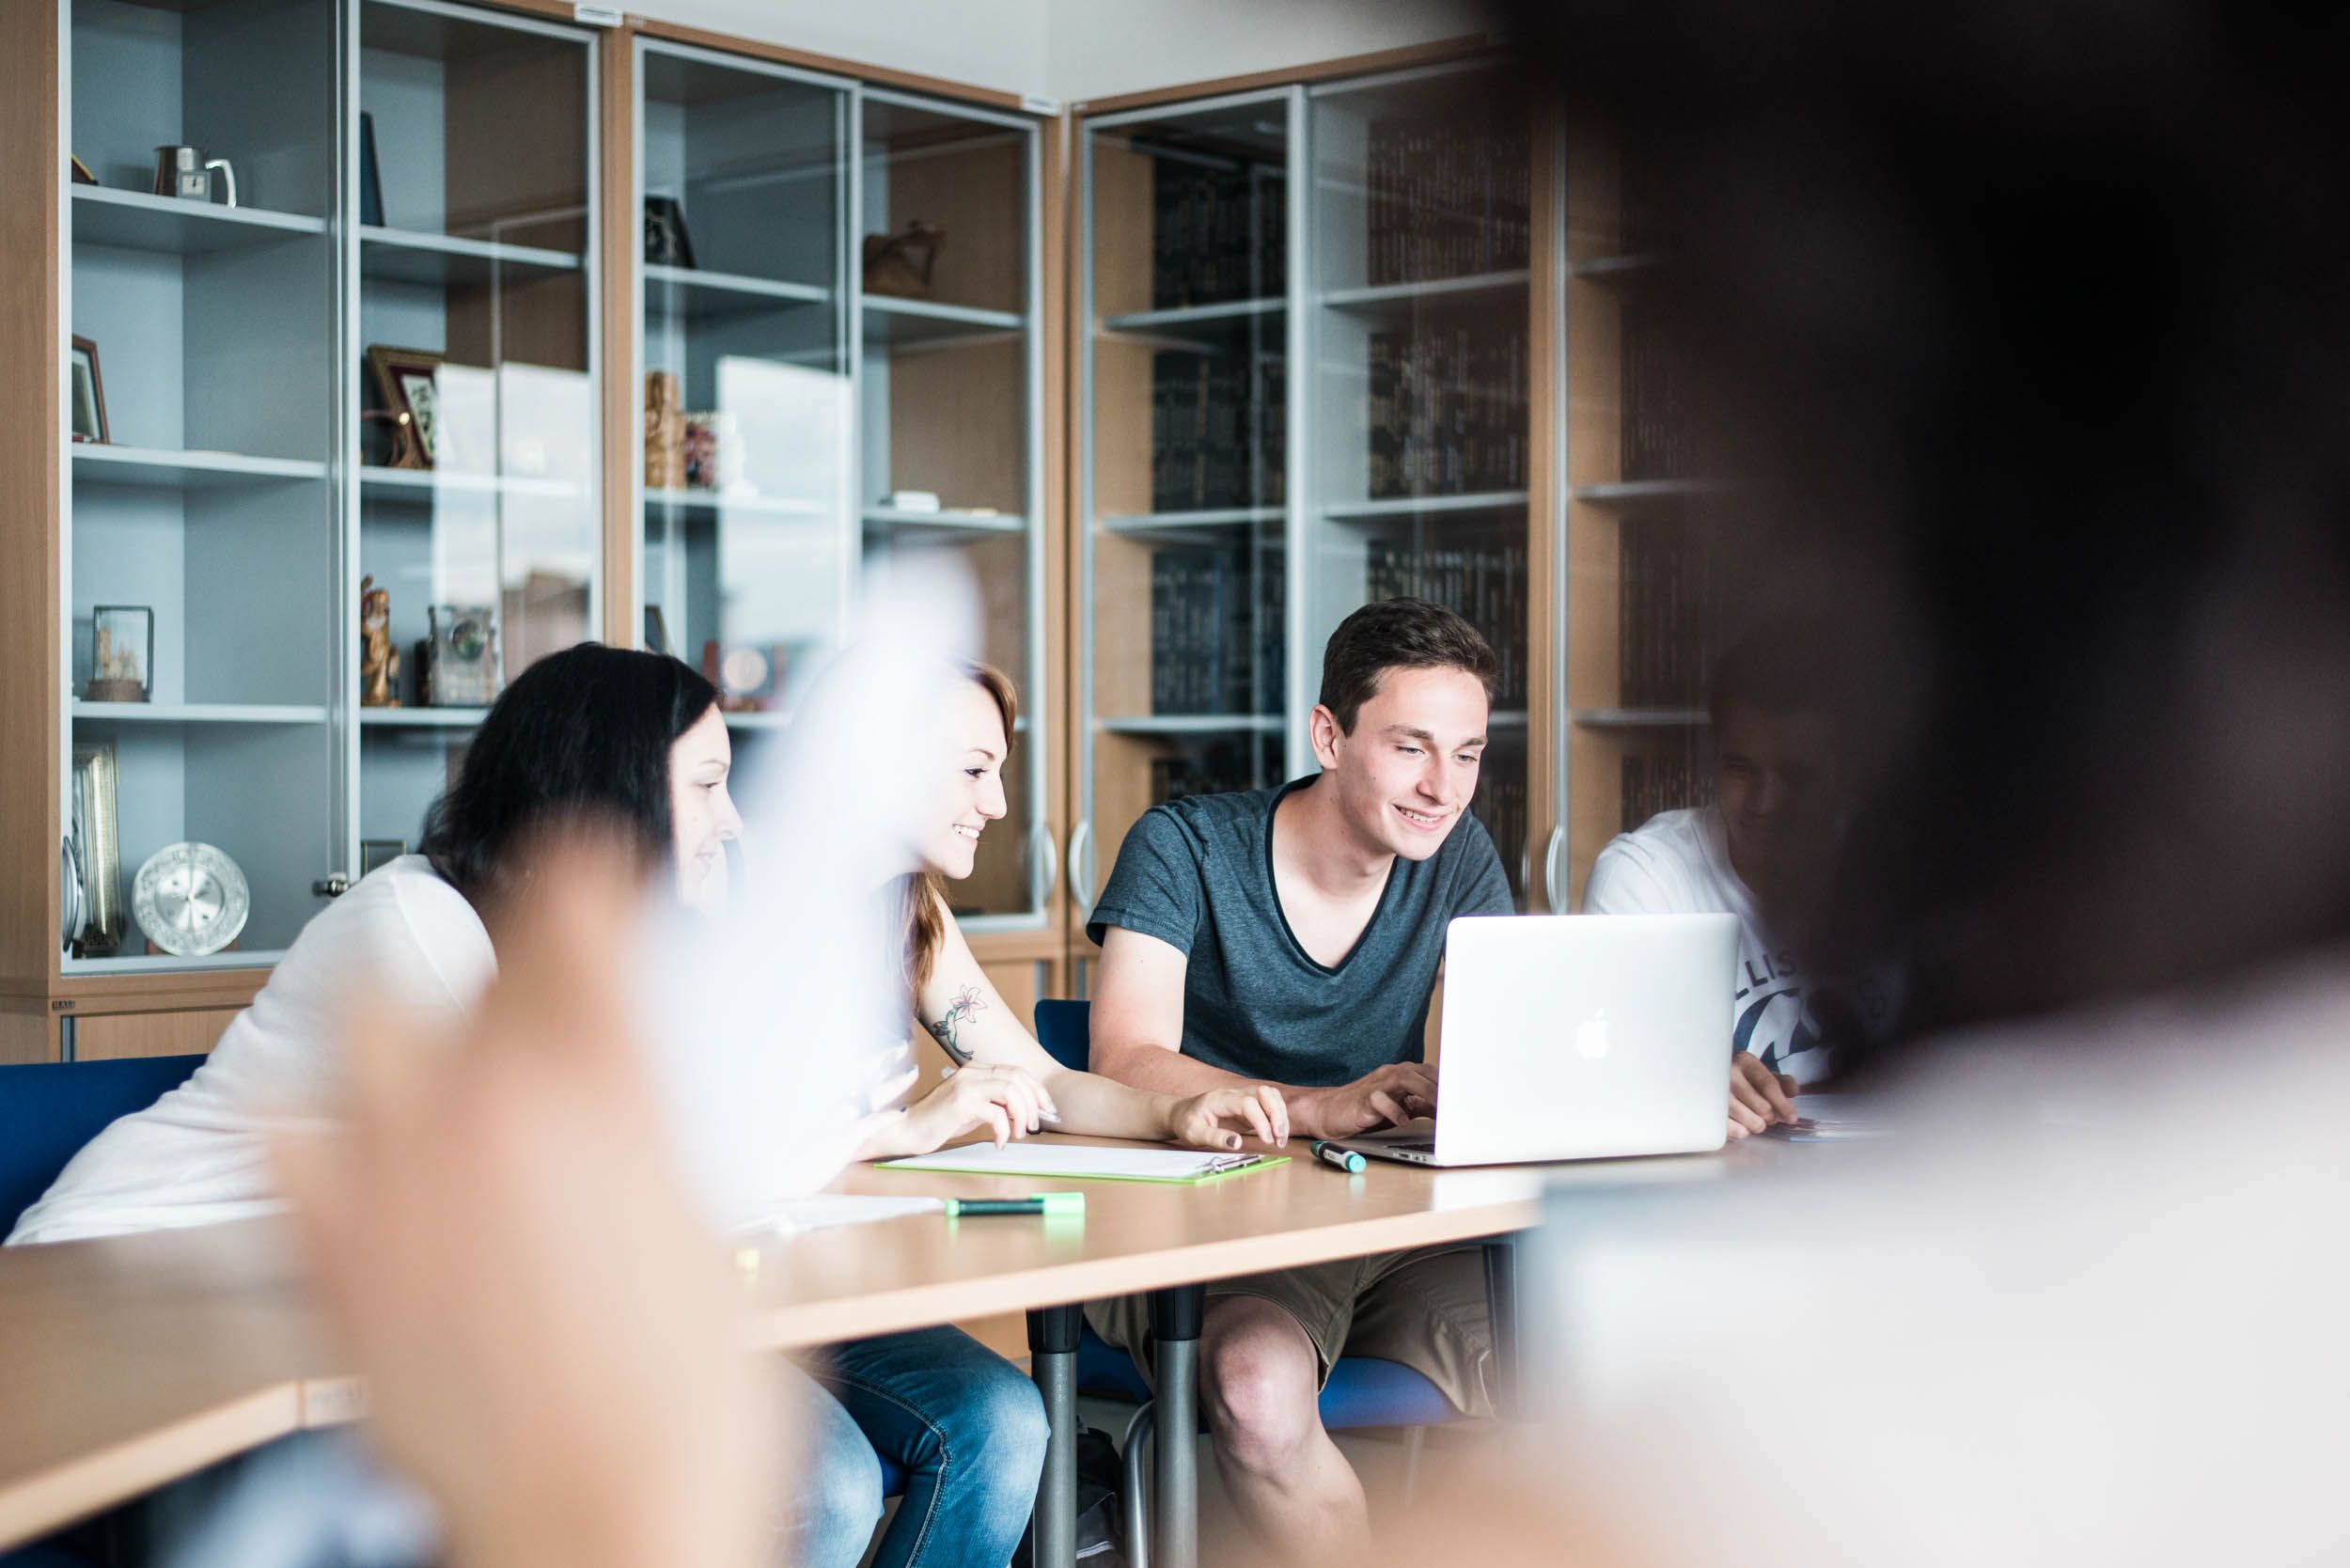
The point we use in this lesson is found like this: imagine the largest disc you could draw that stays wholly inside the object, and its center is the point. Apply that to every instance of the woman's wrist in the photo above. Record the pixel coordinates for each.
(1171, 1109)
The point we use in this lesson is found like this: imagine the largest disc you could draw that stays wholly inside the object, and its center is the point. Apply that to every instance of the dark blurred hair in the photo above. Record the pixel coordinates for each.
(1398, 634)
(2027, 340)
(583, 733)
(1781, 665)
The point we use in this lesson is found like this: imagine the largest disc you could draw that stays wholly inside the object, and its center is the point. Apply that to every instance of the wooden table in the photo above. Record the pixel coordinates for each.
(127, 1363)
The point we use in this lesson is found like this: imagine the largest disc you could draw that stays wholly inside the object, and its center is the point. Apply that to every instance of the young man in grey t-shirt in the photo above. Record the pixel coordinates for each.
(1293, 935)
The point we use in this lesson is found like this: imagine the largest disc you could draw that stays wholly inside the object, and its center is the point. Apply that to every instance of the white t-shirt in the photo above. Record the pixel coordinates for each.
(199, 1156)
(1678, 863)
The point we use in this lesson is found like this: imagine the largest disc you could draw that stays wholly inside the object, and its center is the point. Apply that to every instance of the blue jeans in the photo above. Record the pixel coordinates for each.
(962, 1423)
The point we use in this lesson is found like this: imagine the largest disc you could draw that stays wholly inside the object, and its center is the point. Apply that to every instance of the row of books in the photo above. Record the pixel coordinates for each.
(1448, 196)
(1216, 639)
(1666, 616)
(1655, 399)
(1500, 805)
(1485, 587)
(1220, 431)
(1217, 767)
(1654, 784)
(1218, 233)
(1447, 414)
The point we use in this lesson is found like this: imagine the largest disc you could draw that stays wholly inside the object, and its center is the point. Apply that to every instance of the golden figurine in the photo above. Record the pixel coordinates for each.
(665, 431)
(379, 661)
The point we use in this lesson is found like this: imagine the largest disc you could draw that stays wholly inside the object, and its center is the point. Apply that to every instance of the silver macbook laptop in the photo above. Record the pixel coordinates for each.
(1577, 1037)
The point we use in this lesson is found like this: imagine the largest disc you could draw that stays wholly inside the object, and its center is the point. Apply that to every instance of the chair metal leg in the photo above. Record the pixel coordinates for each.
(1175, 1321)
(1415, 1439)
(1501, 1303)
(1133, 1454)
(1053, 1333)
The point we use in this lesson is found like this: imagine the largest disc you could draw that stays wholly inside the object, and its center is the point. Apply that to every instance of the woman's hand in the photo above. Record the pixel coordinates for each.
(1006, 1102)
(1209, 1121)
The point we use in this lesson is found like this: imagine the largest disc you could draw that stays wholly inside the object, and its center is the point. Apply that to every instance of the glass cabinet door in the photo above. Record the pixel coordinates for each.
(1423, 455)
(749, 549)
(950, 392)
(1186, 478)
(471, 202)
(201, 586)
(1643, 598)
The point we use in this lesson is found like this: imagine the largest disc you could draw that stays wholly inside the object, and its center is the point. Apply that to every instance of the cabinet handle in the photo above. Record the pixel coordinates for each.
(1044, 865)
(1550, 869)
(1080, 873)
(332, 886)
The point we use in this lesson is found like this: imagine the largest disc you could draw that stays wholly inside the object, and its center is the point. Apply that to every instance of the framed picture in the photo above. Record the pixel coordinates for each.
(121, 654)
(371, 177)
(82, 175)
(97, 851)
(374, 854)
(88, 411)
(465, 664)
(667, 243)
(405, 380)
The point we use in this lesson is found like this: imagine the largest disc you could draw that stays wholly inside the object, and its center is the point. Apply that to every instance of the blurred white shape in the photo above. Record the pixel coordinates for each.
(771, 1025)
(2085, 1305)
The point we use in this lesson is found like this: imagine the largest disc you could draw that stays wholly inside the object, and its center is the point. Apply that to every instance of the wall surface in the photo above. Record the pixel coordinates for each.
(1076, 49)
(988, 43)
(1100, 48)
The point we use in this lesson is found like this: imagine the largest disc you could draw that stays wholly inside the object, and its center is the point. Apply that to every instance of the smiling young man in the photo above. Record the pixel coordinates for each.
(1293, 936)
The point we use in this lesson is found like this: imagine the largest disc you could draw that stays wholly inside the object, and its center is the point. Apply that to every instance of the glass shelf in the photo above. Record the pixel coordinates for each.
(139, 220)
(147, 468)
(196, 713)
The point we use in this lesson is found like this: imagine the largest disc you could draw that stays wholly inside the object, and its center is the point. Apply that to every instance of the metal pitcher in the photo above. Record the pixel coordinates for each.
(186, 173)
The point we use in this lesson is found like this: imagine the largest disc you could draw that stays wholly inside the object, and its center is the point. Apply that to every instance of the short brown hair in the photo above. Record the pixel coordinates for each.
(1398, 634)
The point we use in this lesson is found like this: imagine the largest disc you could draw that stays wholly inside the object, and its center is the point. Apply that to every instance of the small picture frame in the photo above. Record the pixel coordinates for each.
(371, 175)
(122, 654)
(465, 656)
(97, 849)
(376, 854)
(82, 175)
(667, 243)
(86, 415)
(656, 630)
(406, 380)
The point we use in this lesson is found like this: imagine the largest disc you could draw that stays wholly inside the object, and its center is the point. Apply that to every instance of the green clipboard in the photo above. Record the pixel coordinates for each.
(1082, 1162)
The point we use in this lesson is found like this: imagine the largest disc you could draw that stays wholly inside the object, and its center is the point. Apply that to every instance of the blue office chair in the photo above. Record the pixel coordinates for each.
(1363, 1391)
(50, 1109)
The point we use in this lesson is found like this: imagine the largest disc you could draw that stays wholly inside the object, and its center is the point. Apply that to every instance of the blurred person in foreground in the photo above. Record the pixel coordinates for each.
(1764, 850)
(2027, 336)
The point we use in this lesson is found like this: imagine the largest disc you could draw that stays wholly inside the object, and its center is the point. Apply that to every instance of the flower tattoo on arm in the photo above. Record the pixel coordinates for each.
(944, 1029)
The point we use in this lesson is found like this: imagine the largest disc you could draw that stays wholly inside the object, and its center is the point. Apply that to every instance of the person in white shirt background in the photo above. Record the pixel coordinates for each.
(1763, 851)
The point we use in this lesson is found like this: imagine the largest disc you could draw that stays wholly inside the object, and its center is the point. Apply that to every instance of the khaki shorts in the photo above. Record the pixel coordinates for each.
(1425, 1308)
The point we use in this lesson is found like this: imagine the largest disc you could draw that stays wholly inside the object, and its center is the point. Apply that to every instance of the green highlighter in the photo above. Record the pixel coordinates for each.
(1043, 1204)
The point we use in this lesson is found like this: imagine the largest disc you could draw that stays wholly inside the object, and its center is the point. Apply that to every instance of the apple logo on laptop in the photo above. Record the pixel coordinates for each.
(1590, 1036)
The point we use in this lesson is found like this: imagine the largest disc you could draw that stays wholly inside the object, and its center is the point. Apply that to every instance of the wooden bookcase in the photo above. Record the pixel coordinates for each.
(245, 492)
(1317, 364)
(1028, 385)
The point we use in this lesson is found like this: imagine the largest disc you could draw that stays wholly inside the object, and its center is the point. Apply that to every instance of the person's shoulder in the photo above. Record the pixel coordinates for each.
(1201, 823)
(407, 924)
(1660, 864)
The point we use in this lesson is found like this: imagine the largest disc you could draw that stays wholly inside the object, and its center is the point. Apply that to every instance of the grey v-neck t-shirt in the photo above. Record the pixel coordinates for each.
(1198, 873)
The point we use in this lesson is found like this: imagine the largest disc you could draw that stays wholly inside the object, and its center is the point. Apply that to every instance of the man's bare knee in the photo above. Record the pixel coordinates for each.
(1259, 1378)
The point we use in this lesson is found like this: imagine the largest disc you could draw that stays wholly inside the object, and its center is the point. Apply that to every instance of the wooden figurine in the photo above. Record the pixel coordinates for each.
(379, 661)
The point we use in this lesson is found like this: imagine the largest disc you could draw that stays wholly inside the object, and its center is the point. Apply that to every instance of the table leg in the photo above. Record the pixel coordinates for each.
(1501, 1301)
(1053, 1362)
(1175, 1316)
